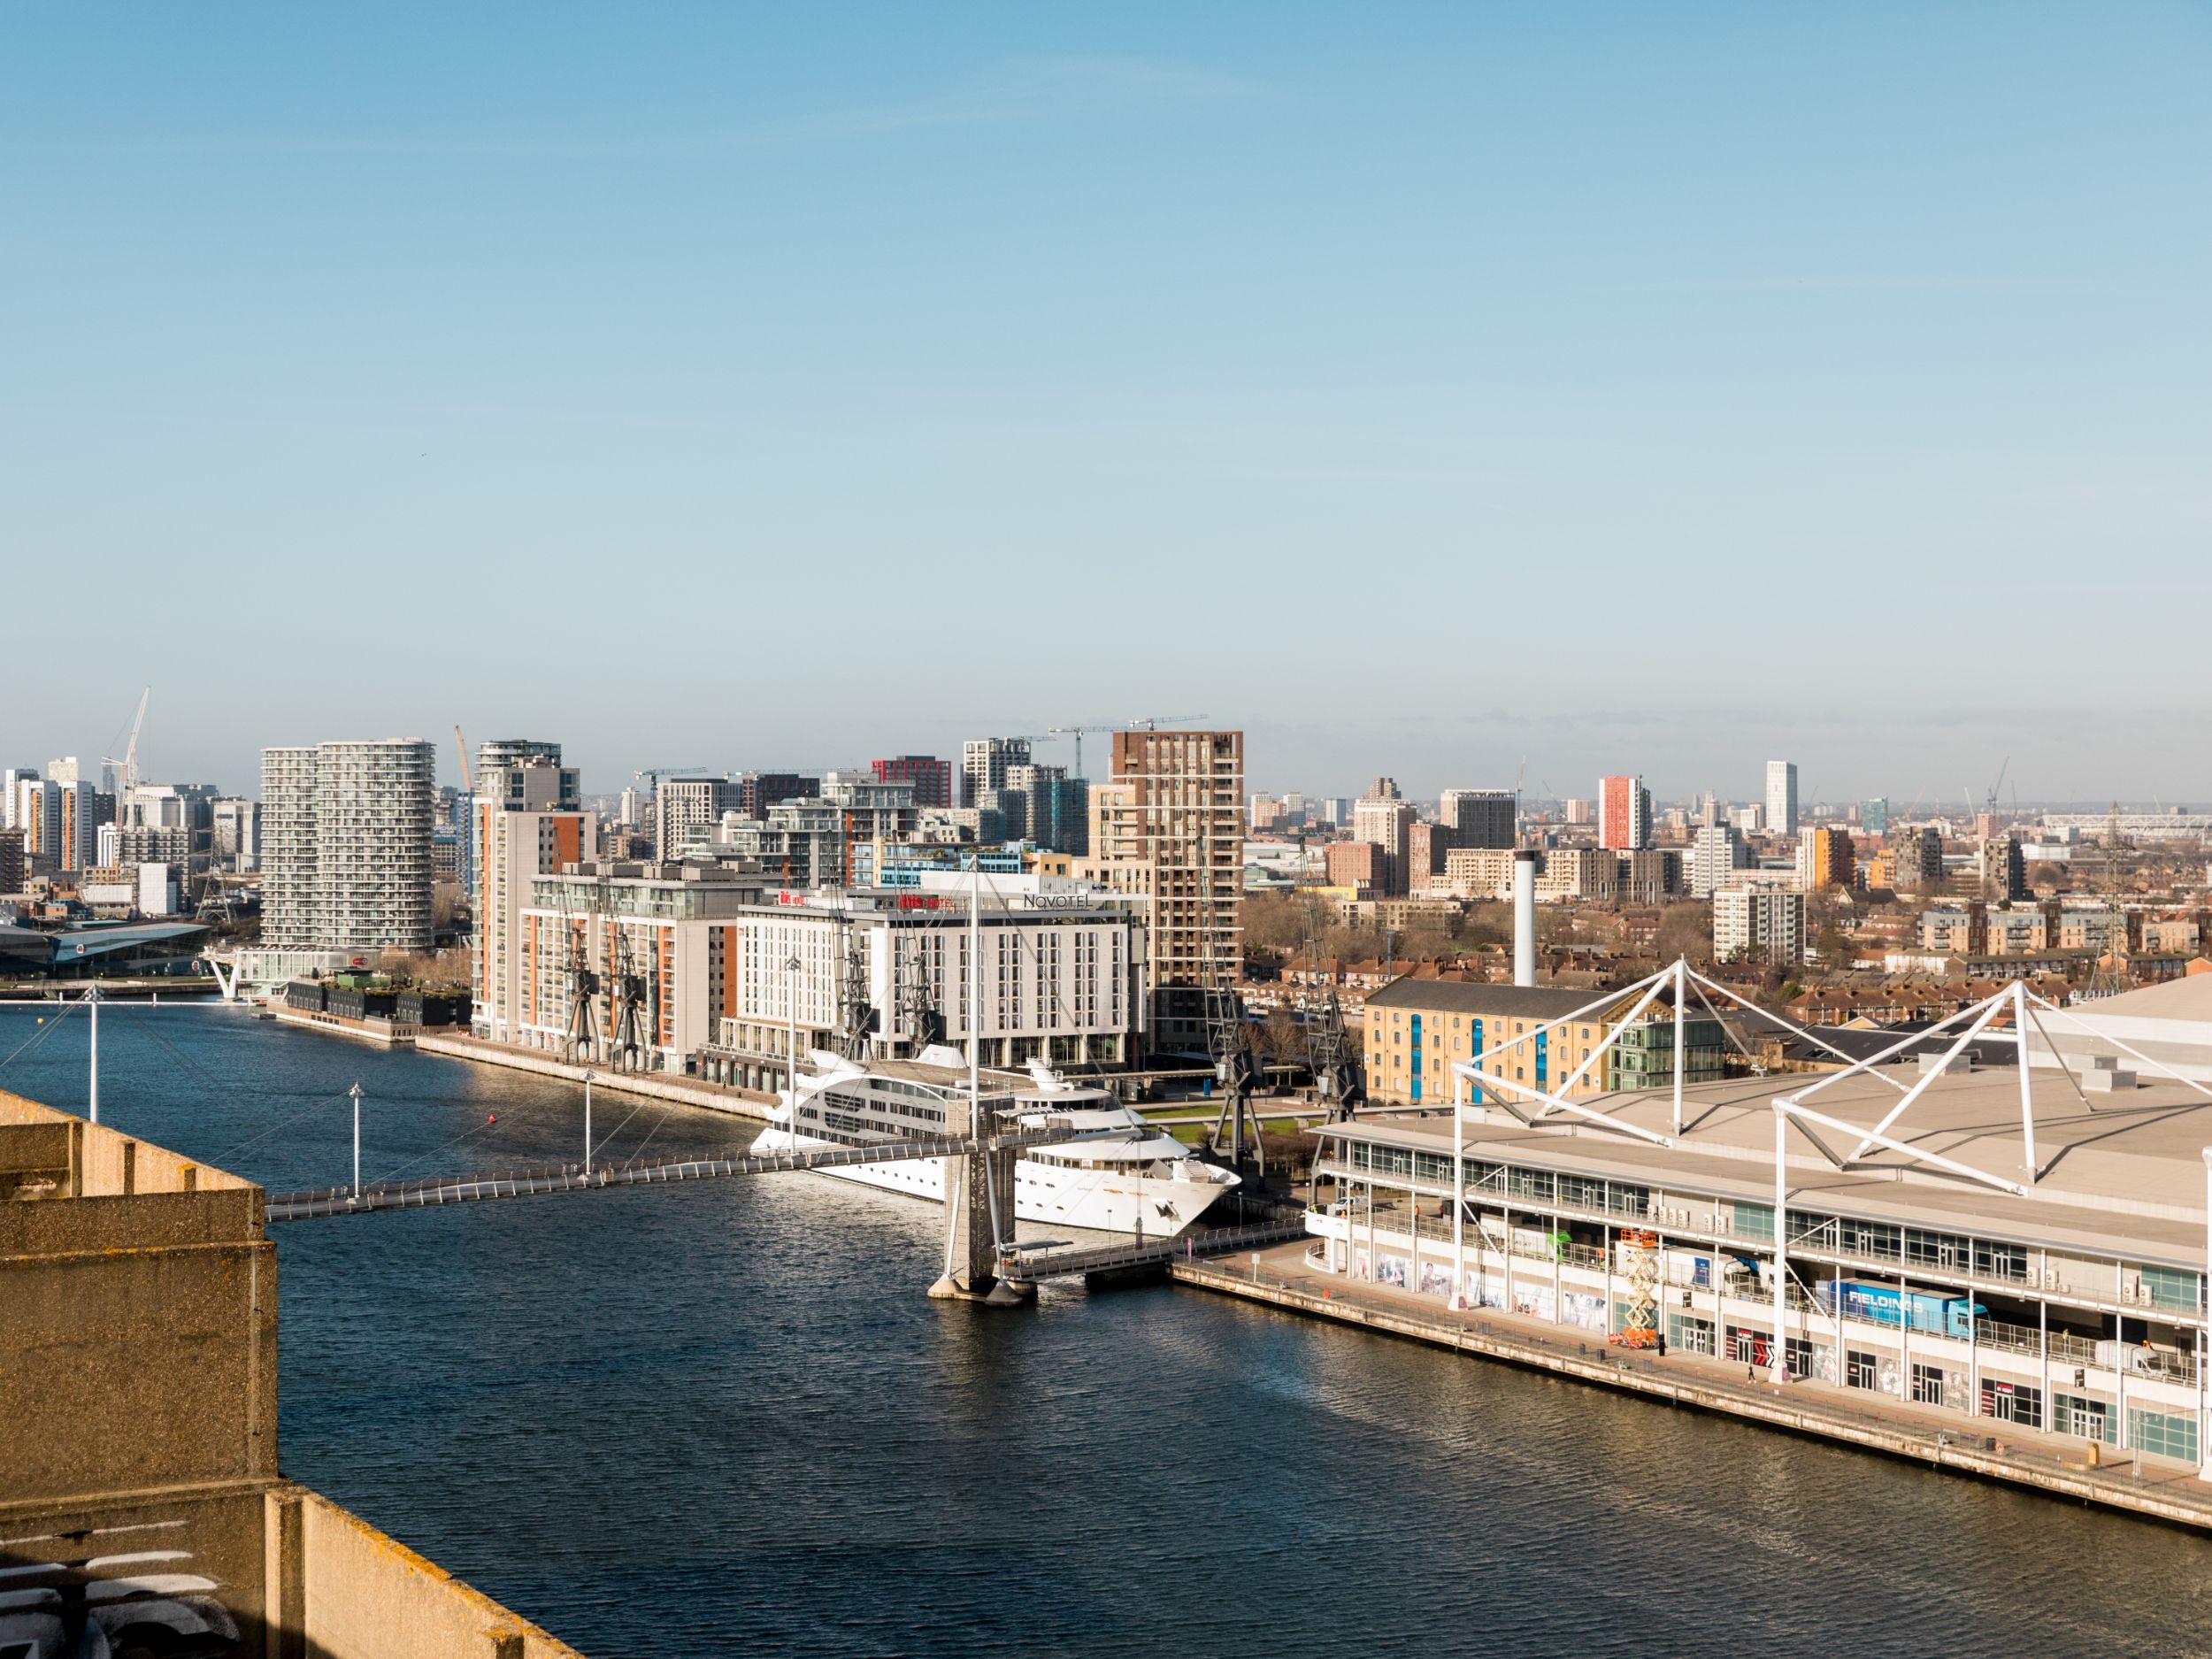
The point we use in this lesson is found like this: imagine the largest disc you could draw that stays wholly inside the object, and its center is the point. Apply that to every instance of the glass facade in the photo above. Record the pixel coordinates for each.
(2162, 1434)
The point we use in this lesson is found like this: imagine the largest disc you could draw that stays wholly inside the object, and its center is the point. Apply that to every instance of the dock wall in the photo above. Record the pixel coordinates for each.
(1774, 1406)
(680, 1090)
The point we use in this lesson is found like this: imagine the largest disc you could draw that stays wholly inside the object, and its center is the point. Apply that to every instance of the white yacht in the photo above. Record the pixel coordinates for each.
(1123, 1175)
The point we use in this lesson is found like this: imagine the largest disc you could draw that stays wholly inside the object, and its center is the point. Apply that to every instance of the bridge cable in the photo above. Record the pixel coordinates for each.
(45, 1030)
(638, 1150)
(284, 1122)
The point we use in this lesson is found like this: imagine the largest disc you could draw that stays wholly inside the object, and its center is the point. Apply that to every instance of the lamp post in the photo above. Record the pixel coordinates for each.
(588, 1075)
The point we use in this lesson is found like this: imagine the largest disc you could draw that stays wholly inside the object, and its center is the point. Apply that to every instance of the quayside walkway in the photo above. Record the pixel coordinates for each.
(1277, 1225)
(2052, 1463)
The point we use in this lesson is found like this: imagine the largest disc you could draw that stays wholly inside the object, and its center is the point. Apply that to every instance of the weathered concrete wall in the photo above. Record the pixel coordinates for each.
(134, 1365)
(365, 1596)
(102, 1163)
(137, 1335)
(139, 1492)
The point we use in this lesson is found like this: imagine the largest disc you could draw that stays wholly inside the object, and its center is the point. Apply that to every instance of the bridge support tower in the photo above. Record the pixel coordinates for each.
(979, 1227)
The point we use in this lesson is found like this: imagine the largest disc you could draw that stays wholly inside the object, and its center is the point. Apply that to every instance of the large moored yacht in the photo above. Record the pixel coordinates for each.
(1123, 1175)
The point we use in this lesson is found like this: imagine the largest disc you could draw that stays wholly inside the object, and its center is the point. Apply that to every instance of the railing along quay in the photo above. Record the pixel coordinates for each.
(1284, 1224)
(574, 1177)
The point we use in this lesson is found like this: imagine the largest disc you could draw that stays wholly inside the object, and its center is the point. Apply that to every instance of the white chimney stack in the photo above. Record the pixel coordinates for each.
(1523, 918)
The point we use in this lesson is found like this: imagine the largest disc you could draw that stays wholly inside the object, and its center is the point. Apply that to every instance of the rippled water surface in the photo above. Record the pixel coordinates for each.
(722, 1418)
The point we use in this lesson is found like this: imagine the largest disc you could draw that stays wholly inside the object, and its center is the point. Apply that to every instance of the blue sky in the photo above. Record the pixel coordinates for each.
(1652, 387)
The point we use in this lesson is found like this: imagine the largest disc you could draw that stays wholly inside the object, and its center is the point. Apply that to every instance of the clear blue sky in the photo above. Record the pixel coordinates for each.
(1638, 387)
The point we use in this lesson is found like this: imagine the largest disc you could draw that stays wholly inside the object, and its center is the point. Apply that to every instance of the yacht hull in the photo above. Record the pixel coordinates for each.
(1099, 1200)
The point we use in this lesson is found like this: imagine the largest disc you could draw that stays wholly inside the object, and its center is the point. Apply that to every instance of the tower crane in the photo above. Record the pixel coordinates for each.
(1153, 722)
(129, 763)
(1989, 801)
(468, 778)
(1078, 732)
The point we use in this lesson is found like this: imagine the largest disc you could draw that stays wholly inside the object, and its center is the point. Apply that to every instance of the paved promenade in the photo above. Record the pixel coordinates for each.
(2153, 1486)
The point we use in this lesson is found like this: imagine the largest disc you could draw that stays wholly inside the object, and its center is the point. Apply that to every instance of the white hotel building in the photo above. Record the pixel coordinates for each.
(1062, 974)
(725, 969)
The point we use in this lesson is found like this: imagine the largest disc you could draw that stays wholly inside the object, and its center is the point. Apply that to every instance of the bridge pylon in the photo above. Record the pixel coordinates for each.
(979, 1226)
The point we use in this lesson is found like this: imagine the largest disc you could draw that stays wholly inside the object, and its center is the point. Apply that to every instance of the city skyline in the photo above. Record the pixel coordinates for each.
(1737, 778)
(1365, 338)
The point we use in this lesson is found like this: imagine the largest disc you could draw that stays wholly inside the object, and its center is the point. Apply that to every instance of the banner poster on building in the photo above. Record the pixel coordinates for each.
(1484, 1291)
(1533, 1299)
(1436, 1279)
(1362, 1268)
(1393, 1270)
(1578, 1309)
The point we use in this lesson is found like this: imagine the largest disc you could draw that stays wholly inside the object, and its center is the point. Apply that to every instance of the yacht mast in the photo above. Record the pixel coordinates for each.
(975, 993)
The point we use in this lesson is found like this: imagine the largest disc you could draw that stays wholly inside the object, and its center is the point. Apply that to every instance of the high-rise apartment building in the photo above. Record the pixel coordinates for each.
(931, 777)
(1058, 807)
(2003, 868)
(1826, 859)
(496, 752)
(529, 822)
(683, 805)
(1782, 797)
(1579, 812)
(757, 791)
(1623, 814)
(83, 810)
(1480, 817)
(1717, 854)
(1874, 815)
(346, 859)
(1169, 827)
(1383, 817)
(38, 815)
(1916, 859)
(983, 763)
(236, 831)
(11, 782)
(1759, 924)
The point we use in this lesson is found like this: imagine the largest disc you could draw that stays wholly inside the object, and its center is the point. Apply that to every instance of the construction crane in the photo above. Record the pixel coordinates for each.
(1153, 722)
(1078, 733)
(1989, 801)
(129, 763)
(468, 778)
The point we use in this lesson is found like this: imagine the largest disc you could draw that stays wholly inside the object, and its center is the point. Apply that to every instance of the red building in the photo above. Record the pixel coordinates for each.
(1623, 814)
